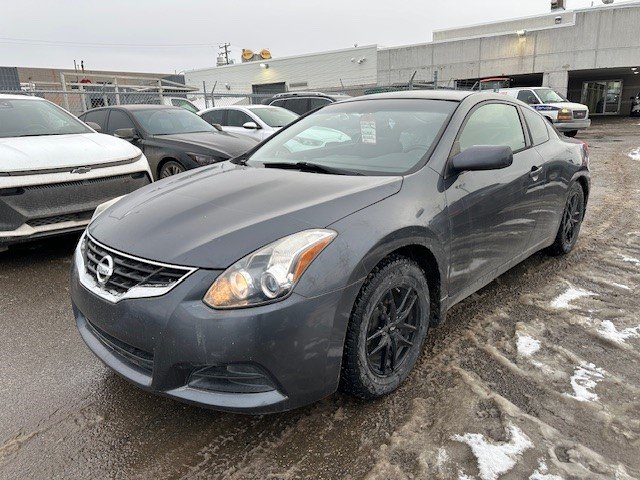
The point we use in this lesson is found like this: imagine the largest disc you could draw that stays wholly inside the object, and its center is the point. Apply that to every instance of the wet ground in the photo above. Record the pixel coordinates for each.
(536, 376)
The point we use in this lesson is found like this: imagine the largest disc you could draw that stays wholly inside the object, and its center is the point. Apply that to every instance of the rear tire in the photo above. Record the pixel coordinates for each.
(572, 217)
(571, 133)
(170, 168)
(387, 329)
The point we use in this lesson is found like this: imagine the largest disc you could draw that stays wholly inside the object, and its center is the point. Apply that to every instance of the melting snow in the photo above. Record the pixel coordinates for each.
(542, 473)
(585, 377)
(527, 346)
(564, 301)
(629, 259)
(495, 459)
(635, 154)
(608, 330)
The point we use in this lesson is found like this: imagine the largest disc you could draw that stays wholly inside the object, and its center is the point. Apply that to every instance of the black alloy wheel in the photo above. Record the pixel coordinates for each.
(387, 329)
(572, 217)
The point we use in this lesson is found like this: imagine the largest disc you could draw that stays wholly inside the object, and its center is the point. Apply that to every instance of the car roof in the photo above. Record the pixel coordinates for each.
(7, 96)
(310, 94)
(450, 95)
(136, 107)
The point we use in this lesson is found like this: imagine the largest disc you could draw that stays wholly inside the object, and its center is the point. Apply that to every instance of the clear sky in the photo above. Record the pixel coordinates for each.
(169, 36)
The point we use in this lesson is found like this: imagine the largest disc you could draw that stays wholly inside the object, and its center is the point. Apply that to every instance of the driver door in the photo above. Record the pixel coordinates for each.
(492, 213)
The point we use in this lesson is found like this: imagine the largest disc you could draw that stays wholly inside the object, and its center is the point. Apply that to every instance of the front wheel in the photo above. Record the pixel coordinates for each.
(387, 329)
(572, 217)
(171, 168)
(571, 133)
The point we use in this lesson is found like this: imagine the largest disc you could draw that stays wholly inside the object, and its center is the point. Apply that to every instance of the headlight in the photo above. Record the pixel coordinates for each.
(270, 273)
(565, 115)
(201, 159)
(103, 206)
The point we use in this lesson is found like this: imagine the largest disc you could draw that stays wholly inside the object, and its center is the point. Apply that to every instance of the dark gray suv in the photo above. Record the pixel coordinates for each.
(265, 283)
(303, 102)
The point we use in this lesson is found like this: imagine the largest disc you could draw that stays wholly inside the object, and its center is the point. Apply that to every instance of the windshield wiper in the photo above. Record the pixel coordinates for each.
(311, 167)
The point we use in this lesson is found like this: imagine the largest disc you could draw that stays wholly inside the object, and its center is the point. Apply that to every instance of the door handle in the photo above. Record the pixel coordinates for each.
(535, 172)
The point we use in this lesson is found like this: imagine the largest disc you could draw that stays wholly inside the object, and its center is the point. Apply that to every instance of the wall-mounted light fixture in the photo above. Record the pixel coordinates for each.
(521, 33)
(264, 65)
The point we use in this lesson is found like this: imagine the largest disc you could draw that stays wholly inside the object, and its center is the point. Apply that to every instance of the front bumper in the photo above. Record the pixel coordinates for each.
(30, 211)
(573, 125)
(158, 343)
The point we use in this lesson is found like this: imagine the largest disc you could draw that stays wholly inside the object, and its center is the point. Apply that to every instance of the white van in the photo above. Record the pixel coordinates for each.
(566, 116)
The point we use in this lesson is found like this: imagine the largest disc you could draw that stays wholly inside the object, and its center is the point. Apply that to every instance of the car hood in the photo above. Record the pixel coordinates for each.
(48, 152)
(228, 144)
(214, 216)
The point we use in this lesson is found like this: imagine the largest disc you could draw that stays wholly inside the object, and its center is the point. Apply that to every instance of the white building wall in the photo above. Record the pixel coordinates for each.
(320, 71)
(595, 38)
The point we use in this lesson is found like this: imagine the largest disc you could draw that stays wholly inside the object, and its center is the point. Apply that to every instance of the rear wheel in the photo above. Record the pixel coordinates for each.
(387, 329)
(571, 133)
(171, 168)
(571, 222)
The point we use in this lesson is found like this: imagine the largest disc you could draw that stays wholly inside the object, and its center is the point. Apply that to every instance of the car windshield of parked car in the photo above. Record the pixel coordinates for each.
(35, 118)
(273, 116)
(370, 137)
(170, 121)
(550, 96)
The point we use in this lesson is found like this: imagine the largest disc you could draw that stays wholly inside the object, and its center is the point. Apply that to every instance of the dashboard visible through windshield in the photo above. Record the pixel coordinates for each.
(35, 118)
(371, 137)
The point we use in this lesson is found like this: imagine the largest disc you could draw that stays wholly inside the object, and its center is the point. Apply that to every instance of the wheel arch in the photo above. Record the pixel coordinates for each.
(164, 160)
(423, 248)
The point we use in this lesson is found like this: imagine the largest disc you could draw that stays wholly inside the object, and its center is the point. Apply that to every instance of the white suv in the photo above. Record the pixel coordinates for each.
(566, 116)
(55, 170)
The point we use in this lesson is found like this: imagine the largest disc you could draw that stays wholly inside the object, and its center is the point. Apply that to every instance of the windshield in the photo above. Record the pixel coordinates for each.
(550, 96)
(274, 116)
(170, 121)
(34, 118)
(373, 137)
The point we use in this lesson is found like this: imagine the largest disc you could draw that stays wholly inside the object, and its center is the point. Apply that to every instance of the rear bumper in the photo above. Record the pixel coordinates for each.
(573, 125)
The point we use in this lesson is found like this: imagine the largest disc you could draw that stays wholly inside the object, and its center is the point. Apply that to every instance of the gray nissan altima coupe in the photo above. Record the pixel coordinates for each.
(320, 259)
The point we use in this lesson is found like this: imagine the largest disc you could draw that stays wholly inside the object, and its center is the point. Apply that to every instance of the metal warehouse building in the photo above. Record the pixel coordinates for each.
(591, 55)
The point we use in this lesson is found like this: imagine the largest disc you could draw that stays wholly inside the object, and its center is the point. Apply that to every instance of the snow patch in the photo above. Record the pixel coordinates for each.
(629, 259)
(527, 346)
(542, 473)
(635, 154)
(619, 285)
(495, 459)
(585, 378)
(608, 330)
(564, 301)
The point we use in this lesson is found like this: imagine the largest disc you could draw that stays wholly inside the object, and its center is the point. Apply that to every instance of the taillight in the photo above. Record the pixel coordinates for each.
(585, 154)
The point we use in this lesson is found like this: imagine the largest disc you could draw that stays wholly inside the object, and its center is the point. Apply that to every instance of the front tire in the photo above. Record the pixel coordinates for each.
(572, 217)
(170, 168)
(387, 329)
(571, 133)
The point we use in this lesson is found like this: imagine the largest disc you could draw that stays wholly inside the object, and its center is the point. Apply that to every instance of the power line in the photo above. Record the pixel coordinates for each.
(49, 43)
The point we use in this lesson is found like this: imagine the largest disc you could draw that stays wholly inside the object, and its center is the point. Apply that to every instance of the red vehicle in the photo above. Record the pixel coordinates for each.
(494, 83)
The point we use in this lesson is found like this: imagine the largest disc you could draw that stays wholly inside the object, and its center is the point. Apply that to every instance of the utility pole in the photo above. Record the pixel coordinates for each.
(224, 50)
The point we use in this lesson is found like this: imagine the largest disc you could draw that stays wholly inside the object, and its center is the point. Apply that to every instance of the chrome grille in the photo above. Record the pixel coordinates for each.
(128, 271)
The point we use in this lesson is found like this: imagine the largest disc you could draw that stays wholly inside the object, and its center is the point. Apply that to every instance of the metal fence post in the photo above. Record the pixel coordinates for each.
(115, 82)
(204, 89)
(64, 89)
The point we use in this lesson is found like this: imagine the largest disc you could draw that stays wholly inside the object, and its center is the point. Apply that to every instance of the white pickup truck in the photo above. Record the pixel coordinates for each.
(566, 116)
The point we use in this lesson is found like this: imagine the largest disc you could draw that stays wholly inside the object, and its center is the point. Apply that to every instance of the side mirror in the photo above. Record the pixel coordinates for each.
(251, 126)
(217, 126)
(482, 157)
(128, 134)
(95, 126)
